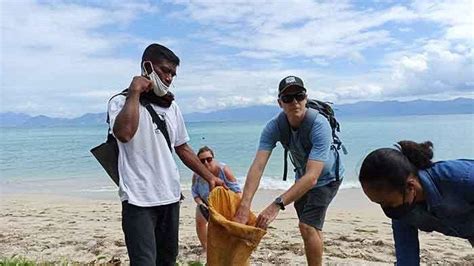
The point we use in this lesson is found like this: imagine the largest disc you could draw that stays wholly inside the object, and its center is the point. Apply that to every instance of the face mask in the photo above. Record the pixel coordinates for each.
(399, 211)
(159, 88)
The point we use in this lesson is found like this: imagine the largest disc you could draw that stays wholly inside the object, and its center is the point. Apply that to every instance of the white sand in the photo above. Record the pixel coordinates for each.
(57, 228)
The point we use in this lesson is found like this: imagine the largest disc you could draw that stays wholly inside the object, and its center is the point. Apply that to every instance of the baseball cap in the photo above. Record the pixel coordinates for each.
(288, 82)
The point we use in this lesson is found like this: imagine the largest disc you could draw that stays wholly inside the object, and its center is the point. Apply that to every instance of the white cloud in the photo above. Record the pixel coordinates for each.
(416, 63)
(439, 67)
(54, 53)
(65, 59)
(456, 15)
(289, 29)
(326, 31)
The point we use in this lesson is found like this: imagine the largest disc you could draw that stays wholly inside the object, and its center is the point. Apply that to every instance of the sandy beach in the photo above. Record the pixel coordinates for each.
(56, 228)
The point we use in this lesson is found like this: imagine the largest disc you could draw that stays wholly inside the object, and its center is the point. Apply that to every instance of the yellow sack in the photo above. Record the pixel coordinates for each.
(228, 242)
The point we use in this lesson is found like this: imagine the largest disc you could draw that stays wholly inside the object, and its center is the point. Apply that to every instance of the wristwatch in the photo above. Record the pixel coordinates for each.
(279, 202)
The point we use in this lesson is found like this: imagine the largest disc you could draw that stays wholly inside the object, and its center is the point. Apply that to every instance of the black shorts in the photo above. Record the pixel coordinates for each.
(312, 206)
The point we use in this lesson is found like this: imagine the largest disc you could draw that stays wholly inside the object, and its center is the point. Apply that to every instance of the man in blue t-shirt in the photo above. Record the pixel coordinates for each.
(317, 179)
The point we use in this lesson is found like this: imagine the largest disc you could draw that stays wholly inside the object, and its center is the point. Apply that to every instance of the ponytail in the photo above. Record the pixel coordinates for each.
(419, 154)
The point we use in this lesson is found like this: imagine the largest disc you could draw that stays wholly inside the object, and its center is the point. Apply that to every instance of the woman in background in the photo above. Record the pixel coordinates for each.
(200, 190)
(417, 193)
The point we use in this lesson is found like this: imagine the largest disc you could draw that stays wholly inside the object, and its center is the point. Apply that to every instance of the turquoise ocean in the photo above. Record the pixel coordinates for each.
(57, 159)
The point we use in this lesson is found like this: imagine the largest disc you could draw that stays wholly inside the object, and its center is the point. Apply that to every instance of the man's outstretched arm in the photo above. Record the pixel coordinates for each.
(251, 185)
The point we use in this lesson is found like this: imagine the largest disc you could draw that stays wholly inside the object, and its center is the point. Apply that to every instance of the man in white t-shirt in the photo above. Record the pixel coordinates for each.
(149, 186)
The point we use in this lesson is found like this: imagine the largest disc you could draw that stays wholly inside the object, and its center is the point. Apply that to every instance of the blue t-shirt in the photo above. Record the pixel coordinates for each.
(321, 139)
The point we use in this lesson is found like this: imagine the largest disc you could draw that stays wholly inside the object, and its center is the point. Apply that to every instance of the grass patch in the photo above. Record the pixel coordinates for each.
(16, 261)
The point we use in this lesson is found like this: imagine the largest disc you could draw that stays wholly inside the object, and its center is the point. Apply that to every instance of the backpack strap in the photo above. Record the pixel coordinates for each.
(304, 130)
(306, 127)
(337, 161)
(285, 165)
(284, 130)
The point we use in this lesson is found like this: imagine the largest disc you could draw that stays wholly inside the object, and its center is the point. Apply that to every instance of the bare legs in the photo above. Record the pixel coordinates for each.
(313, 244)
(201, 229)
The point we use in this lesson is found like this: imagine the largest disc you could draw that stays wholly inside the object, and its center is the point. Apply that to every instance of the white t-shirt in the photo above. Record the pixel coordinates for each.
(148, 173)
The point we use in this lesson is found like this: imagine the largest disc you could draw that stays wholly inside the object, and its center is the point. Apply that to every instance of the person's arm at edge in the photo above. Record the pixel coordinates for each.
(190, 159)
(407, 246)
(126, 122)
(251, 185)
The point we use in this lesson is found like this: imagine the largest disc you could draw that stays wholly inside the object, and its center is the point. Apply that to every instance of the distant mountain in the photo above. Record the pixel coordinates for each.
(90, 119)
(397, 108)
(18, 120)
(43, 120)
(10, 119)
(262, 112)
(265, 112)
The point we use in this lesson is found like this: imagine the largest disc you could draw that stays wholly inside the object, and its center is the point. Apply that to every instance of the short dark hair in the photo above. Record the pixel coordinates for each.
(157, 52)
(204, 149)
(389, 168)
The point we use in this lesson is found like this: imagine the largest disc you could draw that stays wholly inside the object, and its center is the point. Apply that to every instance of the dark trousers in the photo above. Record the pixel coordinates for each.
(151, 233)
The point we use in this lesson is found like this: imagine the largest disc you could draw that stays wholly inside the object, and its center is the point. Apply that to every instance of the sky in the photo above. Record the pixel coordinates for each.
(67, 58)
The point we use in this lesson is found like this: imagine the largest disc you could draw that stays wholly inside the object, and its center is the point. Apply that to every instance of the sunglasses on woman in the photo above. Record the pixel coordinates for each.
(204, 160)
(290, 97)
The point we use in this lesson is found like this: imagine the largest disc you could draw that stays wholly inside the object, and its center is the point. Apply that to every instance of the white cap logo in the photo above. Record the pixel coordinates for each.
(290, 80)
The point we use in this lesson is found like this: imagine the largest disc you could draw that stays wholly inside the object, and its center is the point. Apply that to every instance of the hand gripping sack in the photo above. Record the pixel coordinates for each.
(229, 242)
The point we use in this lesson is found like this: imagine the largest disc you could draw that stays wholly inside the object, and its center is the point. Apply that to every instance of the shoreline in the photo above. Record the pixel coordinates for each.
(45, 227)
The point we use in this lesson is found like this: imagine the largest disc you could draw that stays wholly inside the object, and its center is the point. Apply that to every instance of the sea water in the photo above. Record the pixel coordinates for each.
(57, 159)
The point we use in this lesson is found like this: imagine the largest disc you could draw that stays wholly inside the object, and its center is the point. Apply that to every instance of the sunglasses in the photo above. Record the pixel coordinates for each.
(290, 97)
(204, 160)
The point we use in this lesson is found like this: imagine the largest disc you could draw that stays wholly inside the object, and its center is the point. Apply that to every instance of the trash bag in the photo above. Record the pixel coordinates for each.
(228, 242)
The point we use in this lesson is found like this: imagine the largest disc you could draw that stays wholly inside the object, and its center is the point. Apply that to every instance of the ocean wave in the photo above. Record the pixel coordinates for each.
(276, 183)
(101, 189)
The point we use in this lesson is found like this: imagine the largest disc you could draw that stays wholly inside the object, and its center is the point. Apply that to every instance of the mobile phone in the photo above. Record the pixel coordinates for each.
(204, 211)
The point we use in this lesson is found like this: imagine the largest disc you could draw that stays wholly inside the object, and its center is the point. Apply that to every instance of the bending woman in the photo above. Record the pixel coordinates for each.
(200, 189)
(419, 194)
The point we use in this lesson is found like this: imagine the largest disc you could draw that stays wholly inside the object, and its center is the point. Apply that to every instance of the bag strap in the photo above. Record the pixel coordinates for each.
(160, 122)
(110, 137)
(124, 93)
